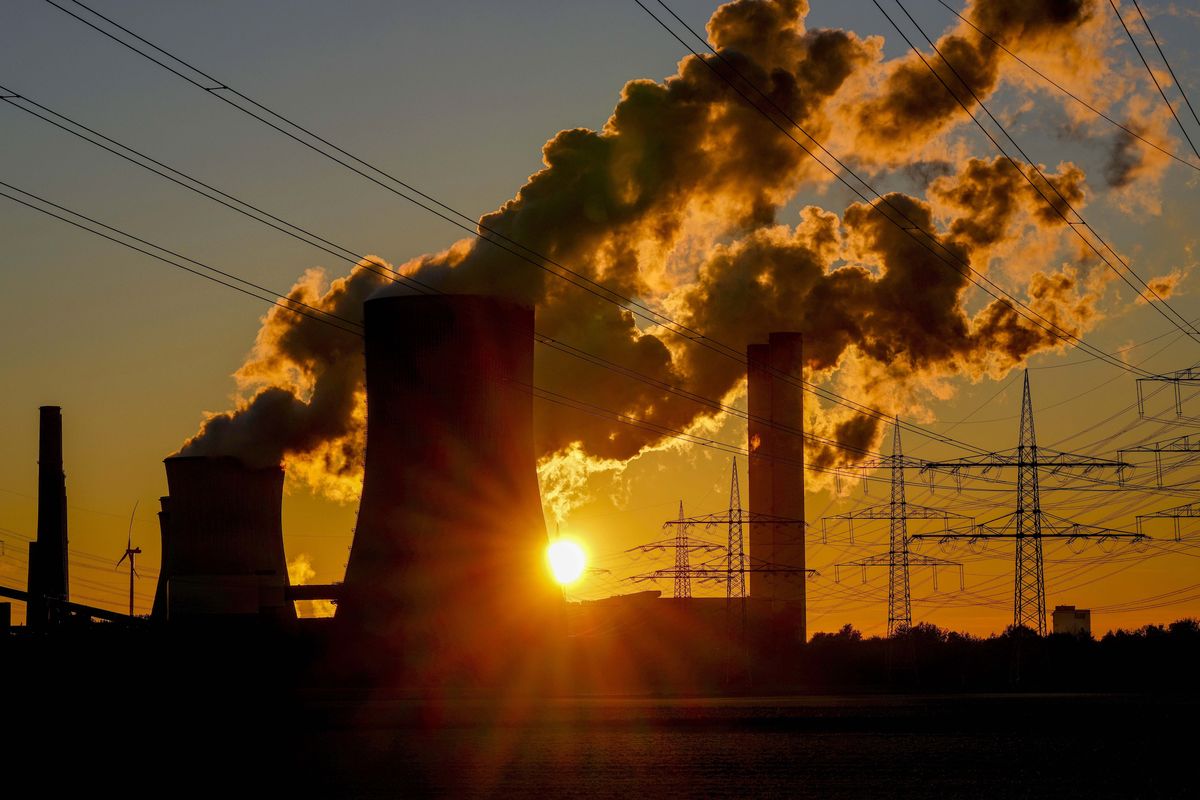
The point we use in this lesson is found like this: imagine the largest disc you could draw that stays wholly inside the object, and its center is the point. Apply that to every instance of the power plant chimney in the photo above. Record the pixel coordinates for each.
(48, 578)
(447, 578)
(222, 541)
(775, 404)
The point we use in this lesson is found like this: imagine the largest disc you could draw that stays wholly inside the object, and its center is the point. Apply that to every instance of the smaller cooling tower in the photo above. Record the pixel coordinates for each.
(447, 579)
(222, 541)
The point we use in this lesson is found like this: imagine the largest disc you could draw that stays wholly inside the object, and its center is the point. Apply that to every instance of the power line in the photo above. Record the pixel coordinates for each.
(495, 237)
(904, 223)
(1154, 77)
(210, 192)
(1066, 91)
(539, 392)
(1074, 226)
(1178, 83)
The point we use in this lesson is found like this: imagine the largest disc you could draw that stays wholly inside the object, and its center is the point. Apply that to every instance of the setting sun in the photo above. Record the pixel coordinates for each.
(566, 559)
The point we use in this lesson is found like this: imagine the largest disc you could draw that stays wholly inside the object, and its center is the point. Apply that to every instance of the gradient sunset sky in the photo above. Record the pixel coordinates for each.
(458, 98)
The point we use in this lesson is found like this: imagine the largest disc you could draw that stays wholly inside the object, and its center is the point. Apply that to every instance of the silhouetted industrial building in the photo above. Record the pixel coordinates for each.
(48, 583)
(447, 578)
(775, 404)
(222, 541)
(1072, 620)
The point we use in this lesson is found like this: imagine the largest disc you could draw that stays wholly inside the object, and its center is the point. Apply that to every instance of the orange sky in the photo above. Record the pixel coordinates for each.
(135, 352)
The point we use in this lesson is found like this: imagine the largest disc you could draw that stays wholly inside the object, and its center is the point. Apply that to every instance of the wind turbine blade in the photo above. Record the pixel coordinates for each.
(129, 532)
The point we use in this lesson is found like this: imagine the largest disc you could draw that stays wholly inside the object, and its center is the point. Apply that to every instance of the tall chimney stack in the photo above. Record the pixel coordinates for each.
(47, 581)
(775, 403)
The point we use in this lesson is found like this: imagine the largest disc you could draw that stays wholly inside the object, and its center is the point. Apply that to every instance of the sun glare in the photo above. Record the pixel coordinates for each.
(566, 560)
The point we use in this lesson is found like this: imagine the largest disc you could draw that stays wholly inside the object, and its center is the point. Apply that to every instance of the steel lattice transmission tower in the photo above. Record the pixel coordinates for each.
(683, 574)
(731, 565)
(899, 598)
(1185, 447)
(1030, 524)
(899, 558)
(1029, 589)
(735, 560)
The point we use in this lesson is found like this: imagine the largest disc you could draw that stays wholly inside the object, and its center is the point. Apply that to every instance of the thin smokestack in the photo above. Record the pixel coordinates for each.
(48, 577)
(776, 408)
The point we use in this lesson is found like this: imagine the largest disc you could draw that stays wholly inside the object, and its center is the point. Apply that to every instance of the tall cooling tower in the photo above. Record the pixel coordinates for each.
(775, 401)
(222, 541)
(446, 580)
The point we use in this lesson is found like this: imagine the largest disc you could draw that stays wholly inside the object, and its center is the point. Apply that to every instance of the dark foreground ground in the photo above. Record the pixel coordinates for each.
(836, 746)
(869, 746)
(96, 712)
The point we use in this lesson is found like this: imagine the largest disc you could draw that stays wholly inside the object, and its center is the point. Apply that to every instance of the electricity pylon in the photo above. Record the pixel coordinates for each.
(1176, 445)
(682, 572)
(1186, 446)
(733, 571)
(1185, 511)
(683, 575)
(735, 558)
(898, 558)
(1029, 524)
(1183, 377)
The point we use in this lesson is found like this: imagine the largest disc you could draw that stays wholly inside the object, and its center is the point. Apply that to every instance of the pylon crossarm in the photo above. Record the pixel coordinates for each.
(1191, 374)
(1047, 459)
(724, 518)
(1188, 443)
(931, 561)
(1185, 511)
(656, 546)
(886, 560)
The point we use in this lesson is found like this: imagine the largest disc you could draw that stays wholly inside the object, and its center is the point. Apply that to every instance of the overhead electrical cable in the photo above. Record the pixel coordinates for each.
(1161, 306)
(1154, 77)
(870, 196)
(222, 91)
(145, 247)
(1178, 83)
(1068, 92)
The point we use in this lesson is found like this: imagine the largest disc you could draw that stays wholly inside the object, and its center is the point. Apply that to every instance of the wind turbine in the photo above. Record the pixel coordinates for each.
(130, 552)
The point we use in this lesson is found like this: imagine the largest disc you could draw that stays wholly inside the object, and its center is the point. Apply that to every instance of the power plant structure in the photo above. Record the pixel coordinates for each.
(222, 541)
(48, 581)
(447, 578)
(775, 434)
(447, 582)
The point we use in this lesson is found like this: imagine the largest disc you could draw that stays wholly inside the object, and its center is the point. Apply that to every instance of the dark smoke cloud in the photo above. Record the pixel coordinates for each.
(988, 194)
(1125, 159)
(923, 173)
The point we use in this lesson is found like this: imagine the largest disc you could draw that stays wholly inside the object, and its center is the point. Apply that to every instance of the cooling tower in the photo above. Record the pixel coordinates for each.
(48, 577)
(446, 581)
(222, 541)
(775, 402)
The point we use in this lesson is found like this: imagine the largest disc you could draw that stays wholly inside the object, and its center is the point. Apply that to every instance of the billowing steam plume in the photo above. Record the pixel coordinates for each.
(684, 167)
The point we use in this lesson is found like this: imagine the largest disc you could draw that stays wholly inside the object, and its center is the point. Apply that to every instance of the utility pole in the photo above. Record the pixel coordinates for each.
(899, 558)
(1030, 524)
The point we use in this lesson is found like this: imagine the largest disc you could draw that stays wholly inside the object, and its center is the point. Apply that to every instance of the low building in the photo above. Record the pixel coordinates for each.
(1073, 621)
